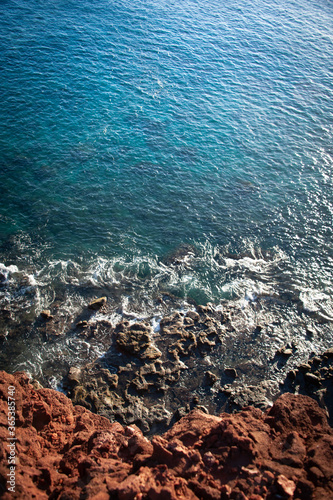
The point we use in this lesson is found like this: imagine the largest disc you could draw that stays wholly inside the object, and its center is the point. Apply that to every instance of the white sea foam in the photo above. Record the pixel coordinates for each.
(132, 287)
(316, 301)
(155, 322)
(6, 271)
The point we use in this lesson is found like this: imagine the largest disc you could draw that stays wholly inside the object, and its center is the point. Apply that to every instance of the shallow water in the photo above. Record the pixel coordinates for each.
(157, 148)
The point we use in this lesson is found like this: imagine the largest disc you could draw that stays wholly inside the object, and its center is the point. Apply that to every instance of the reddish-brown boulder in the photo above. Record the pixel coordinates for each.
(61, 451)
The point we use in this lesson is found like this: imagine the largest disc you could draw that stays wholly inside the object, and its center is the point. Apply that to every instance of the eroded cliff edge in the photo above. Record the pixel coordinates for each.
(66, 452)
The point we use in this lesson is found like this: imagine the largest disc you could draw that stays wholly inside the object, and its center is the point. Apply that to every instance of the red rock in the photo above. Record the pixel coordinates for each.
(287, 485)
(65, 451)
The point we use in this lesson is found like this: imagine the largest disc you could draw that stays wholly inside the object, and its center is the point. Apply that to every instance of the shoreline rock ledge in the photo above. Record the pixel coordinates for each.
(66, 452)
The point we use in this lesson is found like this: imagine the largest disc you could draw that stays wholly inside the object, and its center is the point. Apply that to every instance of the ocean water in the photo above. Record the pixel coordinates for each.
(152, 147)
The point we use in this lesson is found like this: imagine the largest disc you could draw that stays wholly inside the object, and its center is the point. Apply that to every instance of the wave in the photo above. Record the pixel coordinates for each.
(198, 274)
(261, 288)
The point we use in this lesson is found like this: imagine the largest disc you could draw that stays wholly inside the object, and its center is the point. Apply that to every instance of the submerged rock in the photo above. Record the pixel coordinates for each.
(181, 255)
(231, 372)
(82, 324)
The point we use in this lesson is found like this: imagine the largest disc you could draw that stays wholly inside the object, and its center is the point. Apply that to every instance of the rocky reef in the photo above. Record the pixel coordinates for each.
(135, 353)
(143, 378)
(62, 451)
(152, 378)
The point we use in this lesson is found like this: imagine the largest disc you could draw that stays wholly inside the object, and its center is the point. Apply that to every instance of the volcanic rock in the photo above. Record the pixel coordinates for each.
(65, 451)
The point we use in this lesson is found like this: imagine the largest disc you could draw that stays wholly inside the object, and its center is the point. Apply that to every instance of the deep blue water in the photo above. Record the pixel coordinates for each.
(131, 129)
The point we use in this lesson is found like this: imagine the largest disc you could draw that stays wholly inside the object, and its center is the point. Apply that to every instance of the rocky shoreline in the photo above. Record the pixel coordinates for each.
(144, 422)
(133, 352)
(206, 402)
(66, 452)
(151, 377)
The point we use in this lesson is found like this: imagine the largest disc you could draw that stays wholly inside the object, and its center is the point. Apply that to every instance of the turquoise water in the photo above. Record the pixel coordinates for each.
(134, 132)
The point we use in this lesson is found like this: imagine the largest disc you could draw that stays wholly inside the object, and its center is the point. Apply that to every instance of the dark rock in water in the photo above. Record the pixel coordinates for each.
(208, 309)
(46, 314)
(2, 278)
(310, 378)
(82, 324)
(292, 374)
(315, 361)
(211, 378)
(256, 395)
(151, 353)
(181, 255)
(195, 400)
(231, 372)
(182, 412)
(286, 352)
(74, 375)
(2, 337)
(305, 367)
(135, 339)
(97, 303)
(314, 379)
(5, 314)
(110, 378)
(152, 369)
(310, 333)
(329, 353)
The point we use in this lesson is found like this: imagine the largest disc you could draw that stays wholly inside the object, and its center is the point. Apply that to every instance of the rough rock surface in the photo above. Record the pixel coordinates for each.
(66, 452)
(315, 379)
(132, 382)
(152, 372)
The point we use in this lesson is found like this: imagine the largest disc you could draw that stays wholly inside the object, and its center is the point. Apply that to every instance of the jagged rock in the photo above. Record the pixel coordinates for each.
(205, 309)
(110, 378)
(152, 353)
(314, 379)
(65, 451)
(74, 375)
(193, 315)
(134, 340)
(287, 486)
